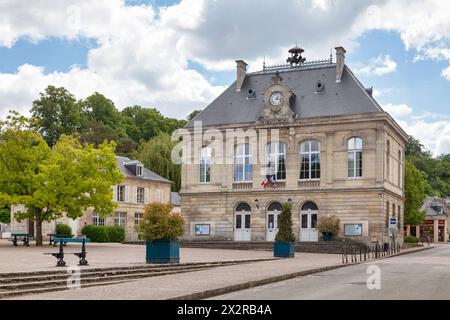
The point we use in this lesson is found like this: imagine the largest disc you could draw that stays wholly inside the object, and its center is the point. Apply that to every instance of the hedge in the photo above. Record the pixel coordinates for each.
(64, 230)
(411, 239)
(104, 233)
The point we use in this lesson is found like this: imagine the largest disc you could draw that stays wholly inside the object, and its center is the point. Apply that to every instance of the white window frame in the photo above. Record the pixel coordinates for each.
(139, 170)
(205, 165)
(159, 195)
(244, 157)
(353, 149)
(120, 217)
(118, 193)
(97, 220)
(138, 217)
(140, 198)
(310, 154)
(275, 150)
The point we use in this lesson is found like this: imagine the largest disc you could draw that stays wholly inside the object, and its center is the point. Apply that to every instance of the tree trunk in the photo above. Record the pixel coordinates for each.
(38, 229)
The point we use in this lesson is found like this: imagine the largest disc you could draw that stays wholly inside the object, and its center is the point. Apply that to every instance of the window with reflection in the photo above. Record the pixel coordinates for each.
(205, 165)
(310, 160)
(276, 160)
(354, 149)
(243, 167)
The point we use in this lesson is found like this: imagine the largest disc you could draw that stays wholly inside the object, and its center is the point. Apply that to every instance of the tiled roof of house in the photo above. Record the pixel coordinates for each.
(146, 173)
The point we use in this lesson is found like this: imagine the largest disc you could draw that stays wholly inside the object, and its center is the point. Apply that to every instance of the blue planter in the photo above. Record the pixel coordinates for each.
(284, 249)
(326, 236)
(163, 251)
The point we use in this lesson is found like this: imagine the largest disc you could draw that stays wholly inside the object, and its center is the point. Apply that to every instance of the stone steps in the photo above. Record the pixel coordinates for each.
(14, 284)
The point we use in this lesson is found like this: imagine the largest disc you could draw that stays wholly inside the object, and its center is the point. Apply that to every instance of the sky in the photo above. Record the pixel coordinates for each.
(178, 55)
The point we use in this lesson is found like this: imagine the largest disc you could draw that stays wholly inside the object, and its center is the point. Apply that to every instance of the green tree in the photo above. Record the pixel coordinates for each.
(57, 112)
(51, 182)
(285, 224)
(156, 156)
(415, 193)
(5, 215)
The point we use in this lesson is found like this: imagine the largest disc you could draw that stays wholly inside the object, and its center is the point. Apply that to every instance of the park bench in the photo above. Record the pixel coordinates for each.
(60, 254)
(53, 236)
(26, 238)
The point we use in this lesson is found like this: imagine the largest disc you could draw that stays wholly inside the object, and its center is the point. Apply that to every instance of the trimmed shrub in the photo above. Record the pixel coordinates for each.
(104, 234)
(115, 234)
(329, 224)
(411, 239)
(64, 230)
(285, 224)
(160, 223)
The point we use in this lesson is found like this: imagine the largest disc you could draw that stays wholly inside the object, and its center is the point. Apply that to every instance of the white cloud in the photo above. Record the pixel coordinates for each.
(378, 66)
(397, 110)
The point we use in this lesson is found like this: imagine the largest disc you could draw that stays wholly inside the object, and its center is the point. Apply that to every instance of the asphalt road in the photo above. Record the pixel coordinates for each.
(421, 275)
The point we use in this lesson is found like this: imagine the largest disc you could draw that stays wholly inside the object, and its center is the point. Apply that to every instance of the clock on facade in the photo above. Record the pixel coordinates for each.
(276, 98)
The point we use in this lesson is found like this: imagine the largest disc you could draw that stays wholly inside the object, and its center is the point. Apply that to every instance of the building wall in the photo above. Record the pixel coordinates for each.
(351, 199)
(130, 206)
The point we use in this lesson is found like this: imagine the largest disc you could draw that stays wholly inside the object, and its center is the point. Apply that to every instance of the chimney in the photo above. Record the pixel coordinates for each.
(340, 61)
(241, 68)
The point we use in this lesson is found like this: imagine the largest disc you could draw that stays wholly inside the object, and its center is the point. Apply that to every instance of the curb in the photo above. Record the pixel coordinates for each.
(256, 283)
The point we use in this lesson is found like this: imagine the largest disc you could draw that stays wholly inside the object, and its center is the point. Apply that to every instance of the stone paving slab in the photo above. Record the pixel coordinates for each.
(104, 255)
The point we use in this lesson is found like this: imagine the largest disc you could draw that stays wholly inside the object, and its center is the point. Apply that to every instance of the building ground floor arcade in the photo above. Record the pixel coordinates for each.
(253, 215)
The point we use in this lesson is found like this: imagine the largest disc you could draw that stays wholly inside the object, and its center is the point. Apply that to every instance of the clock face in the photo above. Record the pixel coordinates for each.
(276, 98)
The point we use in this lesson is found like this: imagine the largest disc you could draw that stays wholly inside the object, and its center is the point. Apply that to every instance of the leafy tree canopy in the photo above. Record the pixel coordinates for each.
(415, 193)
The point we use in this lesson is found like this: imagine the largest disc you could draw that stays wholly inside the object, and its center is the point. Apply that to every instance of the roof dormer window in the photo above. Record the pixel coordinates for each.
(139, 170)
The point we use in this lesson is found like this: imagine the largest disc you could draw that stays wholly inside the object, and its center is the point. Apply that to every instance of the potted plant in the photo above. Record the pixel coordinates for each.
(285, 240)
(161, 229)
(329, 227)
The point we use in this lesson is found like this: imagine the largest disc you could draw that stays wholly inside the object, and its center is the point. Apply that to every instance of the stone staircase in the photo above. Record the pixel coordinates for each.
(21, 283)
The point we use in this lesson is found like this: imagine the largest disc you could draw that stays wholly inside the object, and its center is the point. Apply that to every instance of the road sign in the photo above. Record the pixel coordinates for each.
(393, 221)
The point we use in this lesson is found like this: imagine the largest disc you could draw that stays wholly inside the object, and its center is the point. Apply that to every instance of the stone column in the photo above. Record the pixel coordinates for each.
(435, 230)
(418, 232)
(408, 230)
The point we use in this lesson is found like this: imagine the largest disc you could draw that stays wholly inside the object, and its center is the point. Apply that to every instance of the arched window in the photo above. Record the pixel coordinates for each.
(354, 149)
(243, 207)
(243, 167)
(205, 165)
(276, 206)
(310, 160)
(309, 206)
(276, 160)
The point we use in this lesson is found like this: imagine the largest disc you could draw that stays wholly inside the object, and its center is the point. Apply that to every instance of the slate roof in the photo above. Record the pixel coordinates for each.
(147, 174)
(175, 199)
(343, 98)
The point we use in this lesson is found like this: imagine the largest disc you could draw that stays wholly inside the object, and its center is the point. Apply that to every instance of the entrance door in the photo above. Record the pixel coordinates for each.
(272, 221)
(242, 223)
(308, 222)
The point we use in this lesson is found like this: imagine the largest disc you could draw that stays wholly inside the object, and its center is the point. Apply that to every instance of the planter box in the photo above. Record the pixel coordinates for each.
(326, 236)
(284, 249)
(163, 251)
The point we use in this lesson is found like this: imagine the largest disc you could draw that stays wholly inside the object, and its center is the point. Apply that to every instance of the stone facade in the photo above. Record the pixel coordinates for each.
(369, 201)
(156, 189)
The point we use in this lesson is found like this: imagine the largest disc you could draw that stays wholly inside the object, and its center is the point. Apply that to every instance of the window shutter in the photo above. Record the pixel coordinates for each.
(136, 194)
(146, 196)
(114, 193)
(127, 194)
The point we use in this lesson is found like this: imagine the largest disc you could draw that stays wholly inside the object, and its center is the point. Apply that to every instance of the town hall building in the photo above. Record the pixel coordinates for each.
(336, 153)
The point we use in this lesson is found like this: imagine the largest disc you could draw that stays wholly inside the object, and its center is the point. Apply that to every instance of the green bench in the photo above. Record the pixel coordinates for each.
(52, 237)
(26, 238)
(60, 254)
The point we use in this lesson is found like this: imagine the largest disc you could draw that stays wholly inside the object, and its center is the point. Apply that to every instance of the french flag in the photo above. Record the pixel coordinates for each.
(269, 180)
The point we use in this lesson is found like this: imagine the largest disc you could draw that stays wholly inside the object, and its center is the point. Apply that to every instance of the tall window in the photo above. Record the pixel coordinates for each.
(140, 192)
(120, 219)
(139, 170)
(159, 195)
(400, 168)
(398, 218)
(310, 160)
(276, 160)
(387, 214)
(97, 220)
(354, 148)
(388, 156)
(205, 165)
(138, 216)
(243, 167)
(121, 193)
